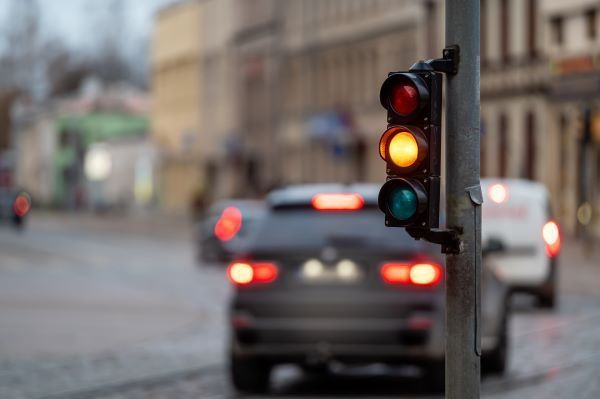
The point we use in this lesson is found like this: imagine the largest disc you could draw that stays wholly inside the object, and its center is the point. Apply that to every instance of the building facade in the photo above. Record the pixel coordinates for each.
(336, 54)
(572, 41)
(303, 105)
(193, 119)
(177, 102)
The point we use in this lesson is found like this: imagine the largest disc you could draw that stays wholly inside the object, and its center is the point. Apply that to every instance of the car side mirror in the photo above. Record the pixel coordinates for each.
(493, 245)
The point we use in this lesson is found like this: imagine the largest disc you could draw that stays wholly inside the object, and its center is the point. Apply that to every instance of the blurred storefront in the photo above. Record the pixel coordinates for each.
(54, 139)
(77, 136)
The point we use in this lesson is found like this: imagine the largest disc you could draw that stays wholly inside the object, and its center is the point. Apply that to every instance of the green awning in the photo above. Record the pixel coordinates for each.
(103, 126)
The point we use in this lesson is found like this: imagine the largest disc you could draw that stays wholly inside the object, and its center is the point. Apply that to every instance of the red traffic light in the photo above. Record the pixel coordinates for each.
(404, 94)
(404, 98)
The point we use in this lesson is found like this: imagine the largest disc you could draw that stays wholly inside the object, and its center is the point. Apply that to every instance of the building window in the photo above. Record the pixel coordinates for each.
(530, 147)
(503, 146)
(532, 28)
(590, 20)
(557, 30)
(564, 147)
(504, 33)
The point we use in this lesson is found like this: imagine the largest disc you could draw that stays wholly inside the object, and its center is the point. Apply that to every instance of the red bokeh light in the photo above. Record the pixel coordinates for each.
(551, 236)
(420, 274)
(22, 205)
(245, 273)
(228, 224)
(337, 202)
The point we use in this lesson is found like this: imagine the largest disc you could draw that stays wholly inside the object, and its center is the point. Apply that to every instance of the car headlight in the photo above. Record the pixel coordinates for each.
(347, 270)
(312, 268)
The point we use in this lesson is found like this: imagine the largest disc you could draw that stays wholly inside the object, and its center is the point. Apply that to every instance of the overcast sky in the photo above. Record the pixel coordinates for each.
(73, 20)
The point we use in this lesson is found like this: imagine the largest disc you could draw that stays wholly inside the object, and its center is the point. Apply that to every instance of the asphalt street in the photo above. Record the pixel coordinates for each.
(118, 308)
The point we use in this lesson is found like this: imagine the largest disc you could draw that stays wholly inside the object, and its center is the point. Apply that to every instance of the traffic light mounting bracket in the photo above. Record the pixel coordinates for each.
(449, 239)
(448, 64)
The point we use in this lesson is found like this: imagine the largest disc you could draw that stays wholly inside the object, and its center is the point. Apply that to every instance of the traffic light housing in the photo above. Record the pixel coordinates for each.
(411, 148)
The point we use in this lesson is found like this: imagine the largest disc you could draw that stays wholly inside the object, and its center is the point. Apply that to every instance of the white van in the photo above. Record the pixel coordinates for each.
(517, 225)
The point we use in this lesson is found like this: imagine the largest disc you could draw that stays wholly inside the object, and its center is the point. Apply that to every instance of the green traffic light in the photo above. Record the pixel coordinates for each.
(402, 202)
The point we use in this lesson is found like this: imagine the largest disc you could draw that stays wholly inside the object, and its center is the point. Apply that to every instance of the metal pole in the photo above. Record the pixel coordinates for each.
(463, 200)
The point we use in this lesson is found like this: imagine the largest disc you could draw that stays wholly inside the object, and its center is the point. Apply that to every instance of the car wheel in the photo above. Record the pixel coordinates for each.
(315, 369)
(547, 295)
(249, 375)
(495, 361)
(435, 377)
(547, 300)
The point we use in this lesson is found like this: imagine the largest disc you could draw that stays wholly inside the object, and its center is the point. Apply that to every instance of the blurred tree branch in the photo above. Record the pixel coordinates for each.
(35, 63)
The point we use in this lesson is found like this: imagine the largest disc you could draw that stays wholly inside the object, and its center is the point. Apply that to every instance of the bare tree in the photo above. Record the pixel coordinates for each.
(19, 66)
(108, 58)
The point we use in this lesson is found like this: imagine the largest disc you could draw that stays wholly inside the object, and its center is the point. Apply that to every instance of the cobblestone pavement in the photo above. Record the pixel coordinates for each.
(176, 351)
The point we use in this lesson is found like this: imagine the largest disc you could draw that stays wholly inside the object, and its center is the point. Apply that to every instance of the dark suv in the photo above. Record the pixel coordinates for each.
(322, 279)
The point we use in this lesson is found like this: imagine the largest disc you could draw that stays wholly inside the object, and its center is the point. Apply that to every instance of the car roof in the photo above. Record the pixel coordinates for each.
(520, 187)
(241, 204)
(302, 194)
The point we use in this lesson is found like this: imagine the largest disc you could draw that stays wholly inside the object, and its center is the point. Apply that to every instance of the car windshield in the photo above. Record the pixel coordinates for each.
(306, 229)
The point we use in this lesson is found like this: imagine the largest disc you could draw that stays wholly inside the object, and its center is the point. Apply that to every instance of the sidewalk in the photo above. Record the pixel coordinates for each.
(150, 224)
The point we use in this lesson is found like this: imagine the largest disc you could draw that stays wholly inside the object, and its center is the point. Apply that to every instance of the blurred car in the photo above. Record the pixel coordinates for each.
(322, 279)
(517, 217)
(225, 228)
(14, 206)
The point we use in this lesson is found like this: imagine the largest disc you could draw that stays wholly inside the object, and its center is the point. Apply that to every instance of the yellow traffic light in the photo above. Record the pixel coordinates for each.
(403, 150)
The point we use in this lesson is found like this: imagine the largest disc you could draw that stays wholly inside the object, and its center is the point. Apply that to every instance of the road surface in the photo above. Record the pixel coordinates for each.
(117, 308)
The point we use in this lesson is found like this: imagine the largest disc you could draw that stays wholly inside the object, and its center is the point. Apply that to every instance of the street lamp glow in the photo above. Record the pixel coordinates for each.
(98, 163)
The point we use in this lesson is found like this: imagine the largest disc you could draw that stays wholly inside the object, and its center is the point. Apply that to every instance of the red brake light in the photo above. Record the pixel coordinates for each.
(396, 273)
(425, 274)
(551, 236)
(22, 205)
(404, 98)
(240, 273)
(264, 272)
(228, 224)
(337, 202)
(243, 273)
(421, 274)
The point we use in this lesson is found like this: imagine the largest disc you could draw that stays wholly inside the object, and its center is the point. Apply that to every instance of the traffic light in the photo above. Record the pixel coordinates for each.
(411, 148)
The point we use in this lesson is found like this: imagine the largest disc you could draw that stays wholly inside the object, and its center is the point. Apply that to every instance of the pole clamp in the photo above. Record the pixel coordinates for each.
(448, 64)
(449, 239)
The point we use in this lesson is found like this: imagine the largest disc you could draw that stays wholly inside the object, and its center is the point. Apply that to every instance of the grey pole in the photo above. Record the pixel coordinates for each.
(463, 200)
